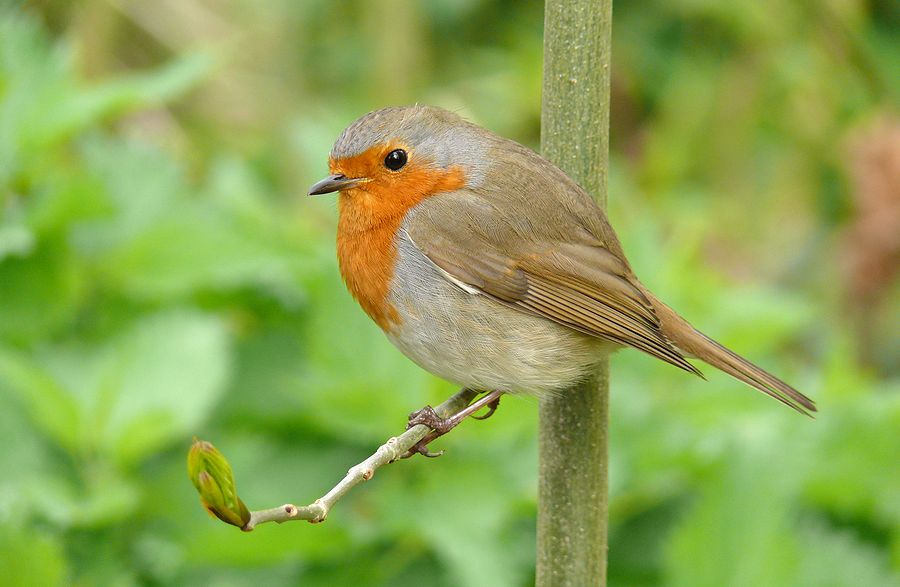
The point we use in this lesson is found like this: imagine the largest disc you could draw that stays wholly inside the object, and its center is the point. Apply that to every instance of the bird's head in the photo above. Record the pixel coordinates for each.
(404, 154)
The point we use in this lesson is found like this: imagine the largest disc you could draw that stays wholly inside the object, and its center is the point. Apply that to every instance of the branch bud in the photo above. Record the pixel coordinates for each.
(212, 477)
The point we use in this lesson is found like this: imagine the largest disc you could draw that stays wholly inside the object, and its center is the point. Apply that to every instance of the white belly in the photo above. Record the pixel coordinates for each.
(478, 342)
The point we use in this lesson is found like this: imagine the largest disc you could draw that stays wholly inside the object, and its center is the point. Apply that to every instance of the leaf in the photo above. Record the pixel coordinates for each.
(147, 386)
(105, 499)
(38, 292)
(163, 377)
(16, 240)
(859, 479)
(464, 511)
(838, 559)
(52, 408)
(141, 183)
(196, 249)
(738, 533)
(31, 558)
(23, 455)
(80, 109)
(158, 242)
(44, 102)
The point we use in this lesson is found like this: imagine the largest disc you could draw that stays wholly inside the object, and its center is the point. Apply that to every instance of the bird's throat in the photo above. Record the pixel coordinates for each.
(368, 223)
(366, 259)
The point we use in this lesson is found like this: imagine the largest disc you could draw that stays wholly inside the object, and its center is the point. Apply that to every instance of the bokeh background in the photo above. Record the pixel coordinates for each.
(162, 274)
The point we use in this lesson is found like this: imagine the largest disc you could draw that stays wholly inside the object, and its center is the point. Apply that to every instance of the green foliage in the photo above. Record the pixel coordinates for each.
(161, 275)
(31, 558)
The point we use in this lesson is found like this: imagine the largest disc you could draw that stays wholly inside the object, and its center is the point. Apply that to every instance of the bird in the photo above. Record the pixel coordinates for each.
(488, 266)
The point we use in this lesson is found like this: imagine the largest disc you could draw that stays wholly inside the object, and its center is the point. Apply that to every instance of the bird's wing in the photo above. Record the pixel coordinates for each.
(575, 282)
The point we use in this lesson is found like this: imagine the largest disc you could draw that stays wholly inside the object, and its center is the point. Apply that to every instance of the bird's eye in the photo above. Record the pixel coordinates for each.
(395, 159)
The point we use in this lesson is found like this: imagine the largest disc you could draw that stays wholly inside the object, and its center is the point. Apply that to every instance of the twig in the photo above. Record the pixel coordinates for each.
(387, 453)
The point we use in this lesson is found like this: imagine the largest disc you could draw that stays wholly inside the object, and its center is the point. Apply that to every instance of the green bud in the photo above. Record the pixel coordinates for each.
(212, 477)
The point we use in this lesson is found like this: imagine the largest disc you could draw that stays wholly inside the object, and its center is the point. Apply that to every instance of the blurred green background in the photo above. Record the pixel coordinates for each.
(162, 275)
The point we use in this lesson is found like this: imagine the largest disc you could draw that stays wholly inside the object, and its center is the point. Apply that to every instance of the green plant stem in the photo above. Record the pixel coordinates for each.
(572, 502)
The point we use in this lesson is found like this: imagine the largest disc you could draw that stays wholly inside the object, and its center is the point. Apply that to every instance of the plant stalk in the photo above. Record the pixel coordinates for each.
(573, 486)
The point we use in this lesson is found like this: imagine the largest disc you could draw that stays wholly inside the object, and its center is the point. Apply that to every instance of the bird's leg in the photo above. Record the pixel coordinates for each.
(441, 426)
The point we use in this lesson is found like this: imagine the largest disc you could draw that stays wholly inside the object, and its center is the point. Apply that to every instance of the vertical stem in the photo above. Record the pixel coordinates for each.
(572, 502)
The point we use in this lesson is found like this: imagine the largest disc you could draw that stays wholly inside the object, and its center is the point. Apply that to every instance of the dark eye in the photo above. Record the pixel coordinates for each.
(395, 159)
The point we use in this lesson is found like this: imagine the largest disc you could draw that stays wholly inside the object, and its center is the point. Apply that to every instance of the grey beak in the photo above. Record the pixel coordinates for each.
(334, 183)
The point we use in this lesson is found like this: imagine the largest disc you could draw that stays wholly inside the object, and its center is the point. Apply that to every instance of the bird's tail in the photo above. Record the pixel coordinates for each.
(694, 343)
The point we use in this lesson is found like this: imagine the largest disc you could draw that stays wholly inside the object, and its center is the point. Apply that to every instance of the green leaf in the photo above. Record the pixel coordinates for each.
(30, 558)
(738, 533)
(159, 242)
(81, 109)
(161, 378)
(16, 240)
(859, 479)
(38, 292)
(23, 454)
(151, 384)
(463, 510)
(196, 249)
(44, 102)
(104, 499)
(52, 408)
(141, 183)
(833, 558)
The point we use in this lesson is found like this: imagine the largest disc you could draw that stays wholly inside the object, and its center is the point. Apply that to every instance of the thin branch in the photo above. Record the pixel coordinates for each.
(387, 453)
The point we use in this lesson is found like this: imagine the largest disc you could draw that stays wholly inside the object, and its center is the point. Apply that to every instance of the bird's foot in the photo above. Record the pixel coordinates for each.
(430, 418)
(440, 426)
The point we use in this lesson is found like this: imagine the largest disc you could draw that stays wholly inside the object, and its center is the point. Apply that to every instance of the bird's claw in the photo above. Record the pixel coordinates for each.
(492, 407)
(421, 448)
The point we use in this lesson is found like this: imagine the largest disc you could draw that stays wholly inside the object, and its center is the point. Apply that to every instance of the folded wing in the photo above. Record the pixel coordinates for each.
(579, 284)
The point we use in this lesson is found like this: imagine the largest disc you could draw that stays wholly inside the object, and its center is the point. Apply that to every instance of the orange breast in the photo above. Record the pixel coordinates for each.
(370, 216)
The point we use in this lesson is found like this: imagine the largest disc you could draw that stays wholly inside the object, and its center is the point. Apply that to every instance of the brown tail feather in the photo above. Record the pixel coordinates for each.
(693, 342)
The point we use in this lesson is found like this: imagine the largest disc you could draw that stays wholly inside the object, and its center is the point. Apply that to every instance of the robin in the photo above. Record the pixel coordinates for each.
(488, 266)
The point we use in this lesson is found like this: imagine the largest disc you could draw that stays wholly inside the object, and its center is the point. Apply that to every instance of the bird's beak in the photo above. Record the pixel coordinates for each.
(334, 183)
